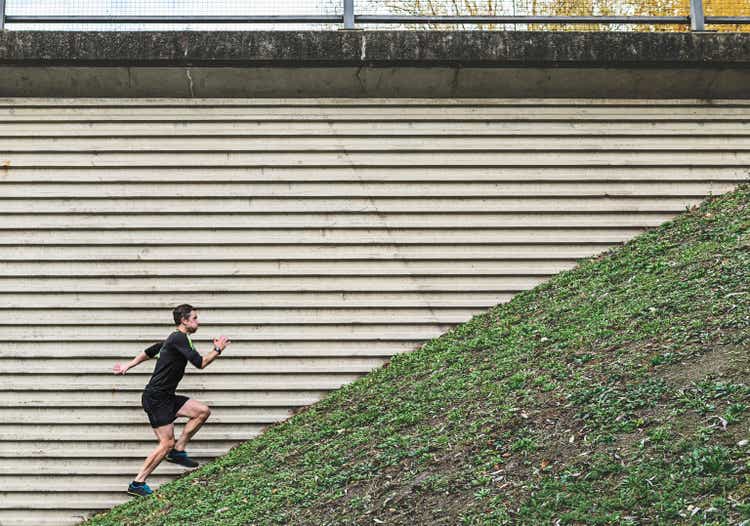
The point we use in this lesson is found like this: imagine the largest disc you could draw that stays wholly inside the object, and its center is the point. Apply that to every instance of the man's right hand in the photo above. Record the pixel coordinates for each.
(119, 369)
(221, 342)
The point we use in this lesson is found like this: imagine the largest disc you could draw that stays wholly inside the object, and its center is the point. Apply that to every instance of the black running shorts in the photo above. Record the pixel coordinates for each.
(162, 408)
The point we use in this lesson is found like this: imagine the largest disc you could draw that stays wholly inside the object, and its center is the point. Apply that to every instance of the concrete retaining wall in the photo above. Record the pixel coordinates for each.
(323, 236)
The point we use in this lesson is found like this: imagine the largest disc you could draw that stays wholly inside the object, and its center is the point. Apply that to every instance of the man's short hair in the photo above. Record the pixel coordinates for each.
(182, 311)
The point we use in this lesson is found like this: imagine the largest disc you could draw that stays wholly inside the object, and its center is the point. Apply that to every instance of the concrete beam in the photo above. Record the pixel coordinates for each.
(374, 64)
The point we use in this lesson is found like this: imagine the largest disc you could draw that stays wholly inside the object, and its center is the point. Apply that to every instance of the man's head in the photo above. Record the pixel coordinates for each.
(187, 316)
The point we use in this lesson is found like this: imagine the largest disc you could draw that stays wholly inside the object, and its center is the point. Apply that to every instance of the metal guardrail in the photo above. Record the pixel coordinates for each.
(349, 19)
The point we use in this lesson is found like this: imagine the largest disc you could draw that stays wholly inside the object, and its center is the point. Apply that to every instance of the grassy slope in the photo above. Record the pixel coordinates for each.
(616, 393)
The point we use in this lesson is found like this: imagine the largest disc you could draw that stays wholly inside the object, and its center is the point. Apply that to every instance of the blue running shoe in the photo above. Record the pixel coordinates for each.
(139, 490)
(181, 458)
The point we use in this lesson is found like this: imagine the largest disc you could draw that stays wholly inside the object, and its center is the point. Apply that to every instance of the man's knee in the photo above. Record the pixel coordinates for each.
(202, 410)
(167, 443)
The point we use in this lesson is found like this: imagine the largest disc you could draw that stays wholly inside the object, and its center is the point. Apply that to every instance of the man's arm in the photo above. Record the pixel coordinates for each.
(184, 346)
(220, 343)
(150, 352)
(208, 358)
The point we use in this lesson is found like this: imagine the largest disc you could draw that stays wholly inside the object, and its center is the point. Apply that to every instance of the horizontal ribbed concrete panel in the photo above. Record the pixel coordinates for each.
(383, 252)
(63, 483)
(452, 110)
(134, 415)
(315, 236)
(69, 500)
(42, 517)
(466, 114)
(367, 189)
(123, 432)
(379, 205)
(106, 381)
(540, 157)
(137, 450)
(17, 103)
(282, 268)
(287, 349)
(479, 143)
(290, 283)
(274, 221)
(228, 365)
(260, 128)
(229, 174)
(323, 236)
(218, 318)
(33, 398)
(101, 333)
(106, 467)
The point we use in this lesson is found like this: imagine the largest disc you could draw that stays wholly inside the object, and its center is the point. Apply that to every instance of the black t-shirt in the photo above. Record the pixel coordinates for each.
(174, 354)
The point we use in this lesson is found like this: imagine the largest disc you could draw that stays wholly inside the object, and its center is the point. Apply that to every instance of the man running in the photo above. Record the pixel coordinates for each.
(161, 403)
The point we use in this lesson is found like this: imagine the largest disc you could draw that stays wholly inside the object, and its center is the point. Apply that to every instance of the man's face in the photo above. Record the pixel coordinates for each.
(191, 322)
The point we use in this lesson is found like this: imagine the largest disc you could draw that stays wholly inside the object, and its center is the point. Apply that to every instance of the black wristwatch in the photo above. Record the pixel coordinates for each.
(217, 350)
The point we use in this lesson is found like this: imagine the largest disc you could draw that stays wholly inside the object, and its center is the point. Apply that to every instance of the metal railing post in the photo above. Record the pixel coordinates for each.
(2, 15)
(697, 17)
(348, 14)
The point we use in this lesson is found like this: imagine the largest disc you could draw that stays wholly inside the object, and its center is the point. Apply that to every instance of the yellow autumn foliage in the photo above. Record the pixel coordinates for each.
(571, 8)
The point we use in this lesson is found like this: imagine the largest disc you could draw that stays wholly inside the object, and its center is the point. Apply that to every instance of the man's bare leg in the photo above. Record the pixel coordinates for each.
(198, 413)
(165, 434)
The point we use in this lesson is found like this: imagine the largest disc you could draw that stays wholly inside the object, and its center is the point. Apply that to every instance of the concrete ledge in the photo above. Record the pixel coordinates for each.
(374, 64)
(374, 48)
